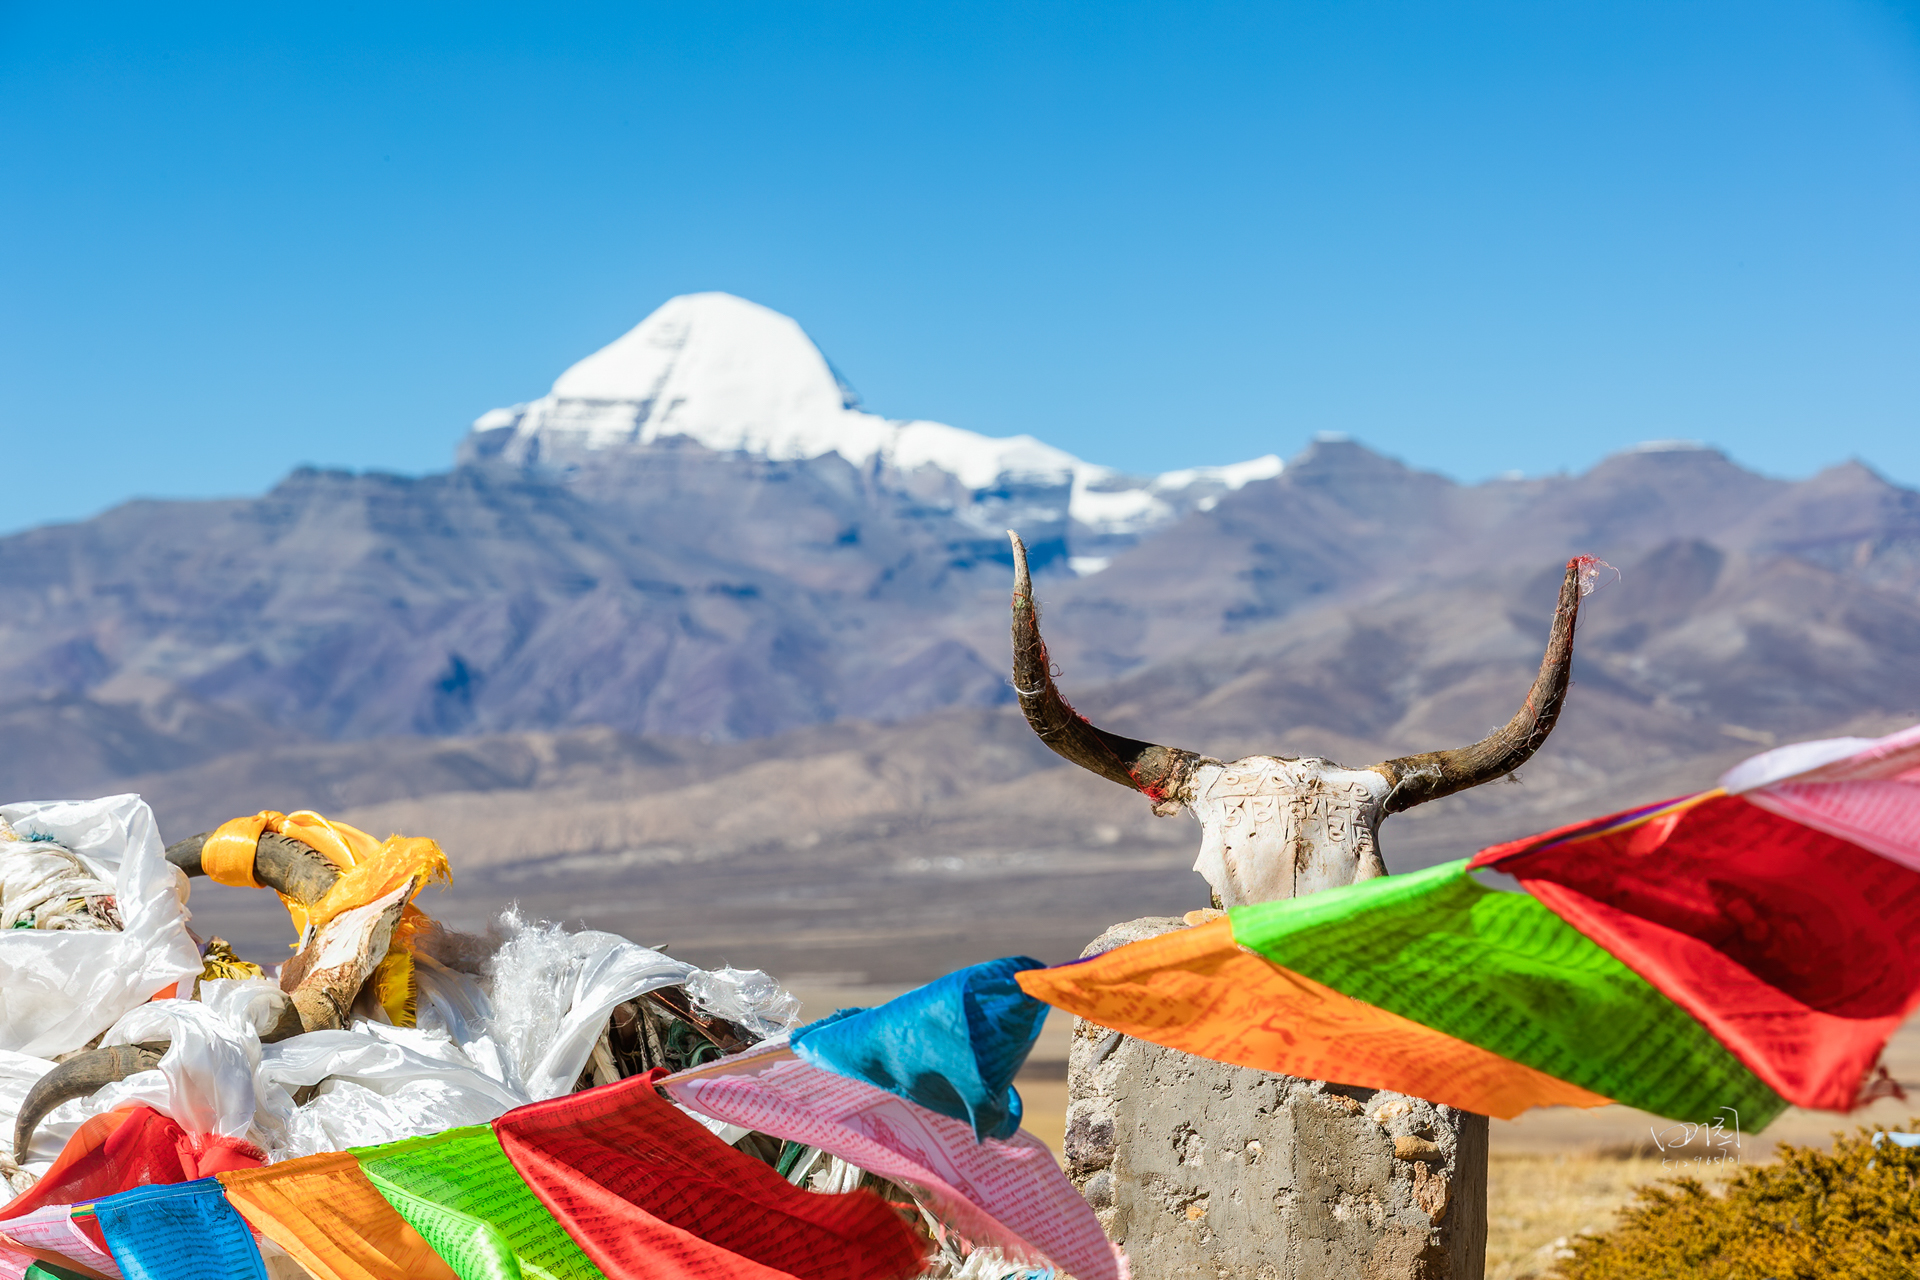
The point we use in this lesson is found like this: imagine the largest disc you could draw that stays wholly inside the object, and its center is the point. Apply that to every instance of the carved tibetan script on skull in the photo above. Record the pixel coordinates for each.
(1283, 828)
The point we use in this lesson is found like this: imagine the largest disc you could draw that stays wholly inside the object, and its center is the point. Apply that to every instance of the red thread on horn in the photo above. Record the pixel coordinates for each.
(1590, 567)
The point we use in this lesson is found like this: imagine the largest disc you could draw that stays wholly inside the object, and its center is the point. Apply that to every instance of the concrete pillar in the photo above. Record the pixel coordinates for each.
(1200, 1169)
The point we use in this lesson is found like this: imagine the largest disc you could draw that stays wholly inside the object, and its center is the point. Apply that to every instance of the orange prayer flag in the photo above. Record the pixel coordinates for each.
(1196, 991)
(324, 1211)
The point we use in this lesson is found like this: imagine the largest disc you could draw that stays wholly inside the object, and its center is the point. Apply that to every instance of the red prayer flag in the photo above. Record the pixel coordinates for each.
(649, 1193)
(1798, 949)
(131, 1147)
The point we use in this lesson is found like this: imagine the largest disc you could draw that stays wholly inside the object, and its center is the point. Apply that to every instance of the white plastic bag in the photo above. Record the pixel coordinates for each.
(380, 1084)
(205, 1081)
(553, 992)
(60, 988)
(746, 997)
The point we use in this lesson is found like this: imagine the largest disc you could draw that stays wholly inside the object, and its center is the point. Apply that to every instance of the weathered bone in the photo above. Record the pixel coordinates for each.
(326, 976)
(1278, 826)
(80, 1076)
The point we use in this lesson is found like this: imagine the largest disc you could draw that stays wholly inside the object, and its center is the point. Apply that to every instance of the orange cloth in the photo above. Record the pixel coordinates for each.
(227, 855)
(1196, 991)
(323, 1211)
(369, 868)
(380, 871)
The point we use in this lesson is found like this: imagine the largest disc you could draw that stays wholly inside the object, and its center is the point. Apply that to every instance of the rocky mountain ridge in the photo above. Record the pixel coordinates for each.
(677, 591)
(663, 663)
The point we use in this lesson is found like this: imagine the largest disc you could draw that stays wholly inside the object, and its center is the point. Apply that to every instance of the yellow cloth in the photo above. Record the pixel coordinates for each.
(369, 870)
(227, 856)
(377, 873)
(1196, 991)
(323, 1211)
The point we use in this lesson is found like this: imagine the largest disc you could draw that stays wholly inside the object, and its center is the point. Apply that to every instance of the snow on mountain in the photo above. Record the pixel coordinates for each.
(735, 376)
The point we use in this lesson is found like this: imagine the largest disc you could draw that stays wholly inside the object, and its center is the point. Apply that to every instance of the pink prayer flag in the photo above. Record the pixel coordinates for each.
(1869, 796)
(1007, 1194)
(52, 1228)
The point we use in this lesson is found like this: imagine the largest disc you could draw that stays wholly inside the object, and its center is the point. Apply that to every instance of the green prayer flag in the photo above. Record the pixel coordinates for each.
(1502, 971)
(462, 1194)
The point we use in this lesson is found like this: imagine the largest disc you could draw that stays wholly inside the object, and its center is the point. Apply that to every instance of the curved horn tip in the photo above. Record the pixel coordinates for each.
(1430, 775)
(80, 1076)
(1161, 773)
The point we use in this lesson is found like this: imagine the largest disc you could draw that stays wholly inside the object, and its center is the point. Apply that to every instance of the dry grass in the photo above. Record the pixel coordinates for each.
(1537, 1204)
(1046, 1111)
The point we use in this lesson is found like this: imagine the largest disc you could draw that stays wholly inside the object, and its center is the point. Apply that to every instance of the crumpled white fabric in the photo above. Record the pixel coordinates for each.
(449, 1001)
(19, 1072)
(209, 1080)
(37, 874)
(206, 1081)
(254, 1003)
(380, 1084)
(553, 992)
(748, 997)
(479, 1049)
(59, 988)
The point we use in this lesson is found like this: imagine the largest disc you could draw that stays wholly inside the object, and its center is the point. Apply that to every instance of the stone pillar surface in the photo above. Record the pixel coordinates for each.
(1201, 1169)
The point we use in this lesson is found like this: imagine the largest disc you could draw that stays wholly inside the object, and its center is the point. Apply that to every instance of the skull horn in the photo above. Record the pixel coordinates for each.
(285, 865)
(1432, 774)
(79, 1077)
(1157, 772)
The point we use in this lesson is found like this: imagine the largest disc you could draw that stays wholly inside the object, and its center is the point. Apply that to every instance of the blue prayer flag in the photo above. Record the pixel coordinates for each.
(181, 1231)
(953, 1046)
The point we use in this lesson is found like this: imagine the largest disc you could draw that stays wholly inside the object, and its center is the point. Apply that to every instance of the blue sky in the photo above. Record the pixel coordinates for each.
(1480, 237)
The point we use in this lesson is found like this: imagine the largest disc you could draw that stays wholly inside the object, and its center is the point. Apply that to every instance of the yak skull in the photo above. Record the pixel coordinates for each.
(1276, 826)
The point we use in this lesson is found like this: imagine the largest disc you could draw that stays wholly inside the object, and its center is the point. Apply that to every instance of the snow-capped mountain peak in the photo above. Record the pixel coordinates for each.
(735, 376)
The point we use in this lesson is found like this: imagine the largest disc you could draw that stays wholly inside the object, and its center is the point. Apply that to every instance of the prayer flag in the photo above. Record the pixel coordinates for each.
(953, 1046)
(51, 1271)
(51, 1230)
(119, 1150)
(459, 1191)
(650, 1194)
(325, 1213)
(1196, 991)
(1501, 971)
(1007, 1193)
(1799, 950)
(186, 1231)
(1866, 792)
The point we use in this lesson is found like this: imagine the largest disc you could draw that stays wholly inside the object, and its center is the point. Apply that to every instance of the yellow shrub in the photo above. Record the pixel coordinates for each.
(1850, 1212)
